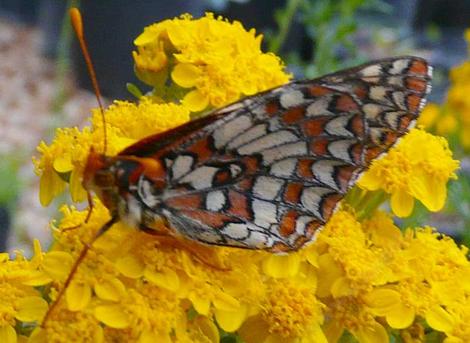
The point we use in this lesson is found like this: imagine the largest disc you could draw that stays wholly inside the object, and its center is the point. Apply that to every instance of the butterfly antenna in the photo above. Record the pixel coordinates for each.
(77, 25)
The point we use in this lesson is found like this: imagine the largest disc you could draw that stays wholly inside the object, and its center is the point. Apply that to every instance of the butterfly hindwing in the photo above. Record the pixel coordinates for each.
(268, 171)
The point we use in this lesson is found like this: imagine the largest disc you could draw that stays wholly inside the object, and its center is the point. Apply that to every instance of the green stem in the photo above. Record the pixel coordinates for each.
(284, 25)
(369, 203)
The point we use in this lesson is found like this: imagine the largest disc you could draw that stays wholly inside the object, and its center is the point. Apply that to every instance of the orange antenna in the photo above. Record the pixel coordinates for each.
(77, 24)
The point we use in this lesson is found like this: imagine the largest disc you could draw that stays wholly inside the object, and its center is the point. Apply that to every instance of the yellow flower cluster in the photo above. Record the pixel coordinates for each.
(365, 278)
(362, 277)
(214, 61)
(21, 302)
(453, 117)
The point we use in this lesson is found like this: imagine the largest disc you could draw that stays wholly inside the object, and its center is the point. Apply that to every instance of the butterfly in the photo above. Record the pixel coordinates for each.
(268, 171)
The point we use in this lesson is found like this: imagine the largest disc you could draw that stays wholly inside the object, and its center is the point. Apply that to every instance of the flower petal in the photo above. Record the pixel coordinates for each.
(195, 101)
(77, 192)
(382, 300)
(57, 264)
(402, 203)
(230, 321)
(7, 334)
(439, 319)
(400, 316)
(185, 74)
(201, 304)
(431, 191)
(30, 309)
(113, 316)
(78, 295)
(279, 266)
(168, 280)
(110, 289)
(130, 266)
(50, 184)
(208, 328)
(374, 333)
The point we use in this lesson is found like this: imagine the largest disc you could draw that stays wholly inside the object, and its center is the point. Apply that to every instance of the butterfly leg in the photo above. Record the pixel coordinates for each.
(88, 215)
(75, 266)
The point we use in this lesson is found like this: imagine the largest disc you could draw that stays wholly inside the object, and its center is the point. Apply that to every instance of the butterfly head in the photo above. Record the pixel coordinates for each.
(99, 176)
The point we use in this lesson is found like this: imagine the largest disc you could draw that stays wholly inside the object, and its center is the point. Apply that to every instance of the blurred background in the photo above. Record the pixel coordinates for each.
(44, 84)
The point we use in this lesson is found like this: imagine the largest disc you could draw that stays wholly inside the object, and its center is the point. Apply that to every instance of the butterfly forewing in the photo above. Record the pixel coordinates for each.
(267, 172)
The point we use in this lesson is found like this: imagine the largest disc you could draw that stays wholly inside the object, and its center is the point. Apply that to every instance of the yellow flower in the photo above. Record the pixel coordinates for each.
(68, 326)
(149, 311)
(347, 269)
(215, 60)
(58, 161)
(290, 313)
(417, 168)
(353, 314)
(21, 302)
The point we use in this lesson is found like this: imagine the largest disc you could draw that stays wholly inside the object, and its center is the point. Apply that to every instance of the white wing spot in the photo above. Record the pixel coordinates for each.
(284, 168)
(395, 81)
(378, 93)
(399, 66)
(284, 151)
(337, 126)
(392, 118)
(399, 99)
(215, 201)
(372, 110)
(340, 149)
(144, 189)
(267, 187)
(301, 222)
(246, 137)
(265, 213)
(181, 166)
(201, 177)
(258, 239)
(235, 170)
(291, 98)
(268, 141)
(236, 231)
(231, 129)
(324, 172)
(319, 107)
(372, 70)
(312, 197)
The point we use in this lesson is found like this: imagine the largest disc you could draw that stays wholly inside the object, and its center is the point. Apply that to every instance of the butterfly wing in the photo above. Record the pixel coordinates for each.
(268, 172)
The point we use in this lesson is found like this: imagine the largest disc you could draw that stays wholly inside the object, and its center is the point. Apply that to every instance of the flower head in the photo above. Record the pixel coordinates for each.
(216, 61)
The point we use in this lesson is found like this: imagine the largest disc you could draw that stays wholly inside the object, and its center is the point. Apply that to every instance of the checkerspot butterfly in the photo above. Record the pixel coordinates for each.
(268, 171)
